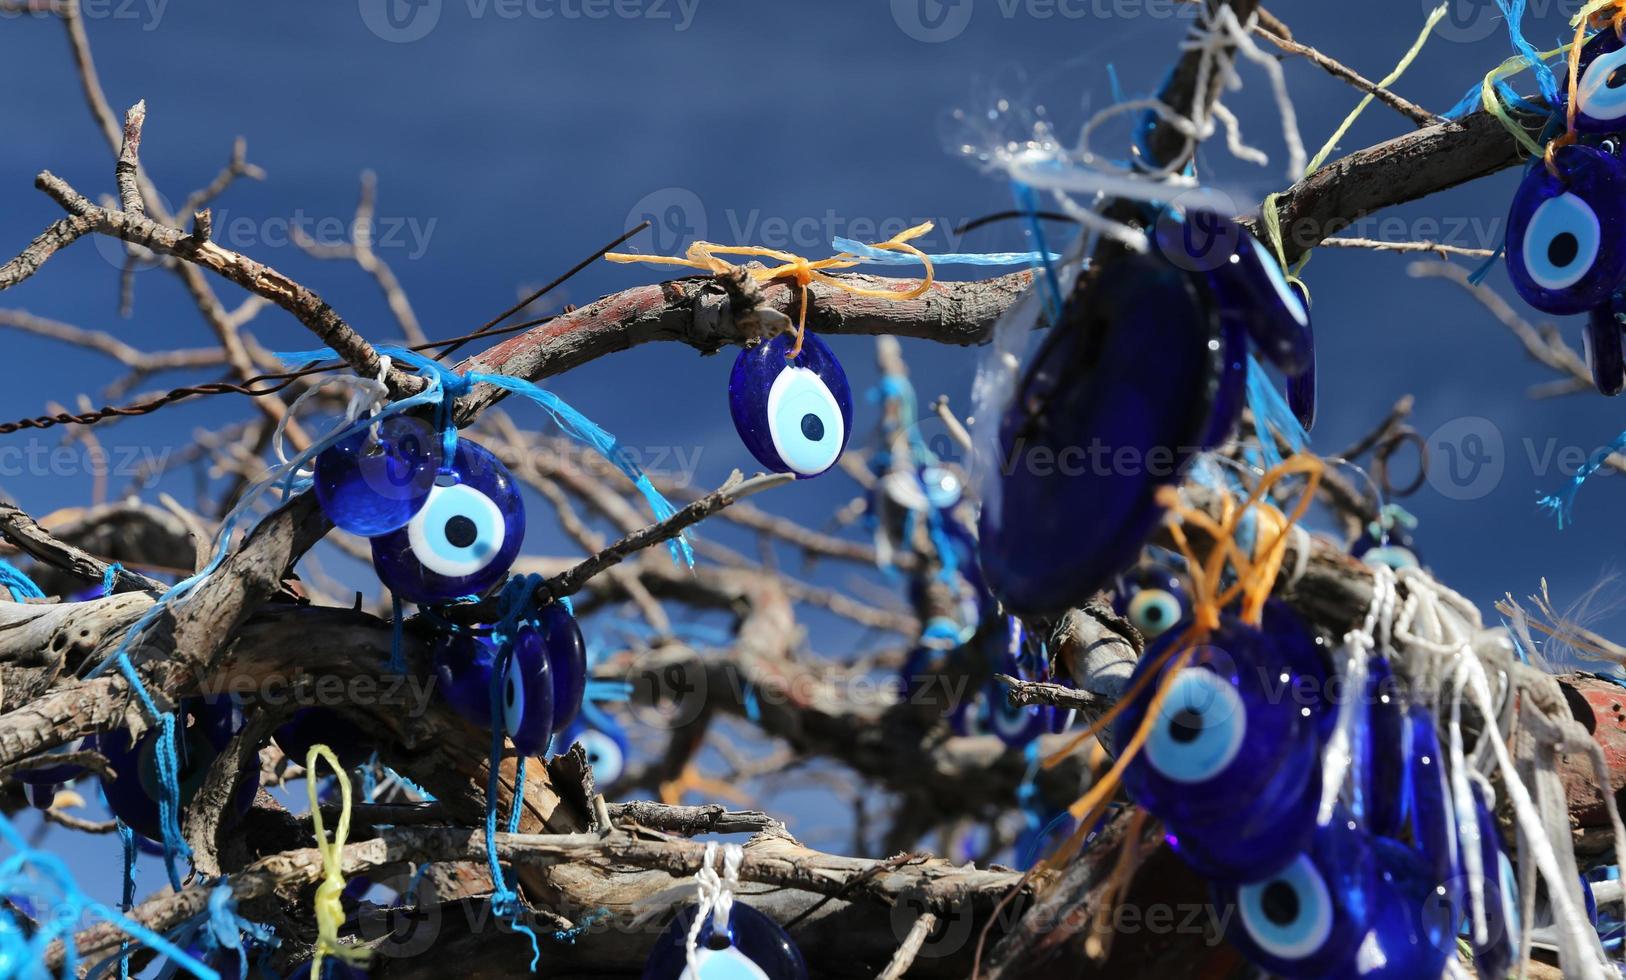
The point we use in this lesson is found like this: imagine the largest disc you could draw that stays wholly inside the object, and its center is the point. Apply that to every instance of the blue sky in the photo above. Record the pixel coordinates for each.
(514, 136)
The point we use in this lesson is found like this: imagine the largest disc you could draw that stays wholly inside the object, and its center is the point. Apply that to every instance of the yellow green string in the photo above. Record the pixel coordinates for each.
(329, 908)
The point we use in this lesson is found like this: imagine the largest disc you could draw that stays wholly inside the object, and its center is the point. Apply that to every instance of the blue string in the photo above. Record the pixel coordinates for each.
(1560, 503)
(571, 422)
(19, 585)
(127, 897)
(110, 578)
(881, 256)
(1271, 412)
(1028, 203)
(518, 604)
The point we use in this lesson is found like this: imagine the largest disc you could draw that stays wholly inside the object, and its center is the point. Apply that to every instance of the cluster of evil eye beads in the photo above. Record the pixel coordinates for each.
(1145, 368)
(1566, 234)
(1231, 764)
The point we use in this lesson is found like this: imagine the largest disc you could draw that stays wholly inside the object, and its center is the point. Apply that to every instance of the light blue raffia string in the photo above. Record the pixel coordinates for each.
(881, 256)
(40, 878)
(19, 585)
(606, 689)
(1271, 412)
(1560, 503)
(287, 475)
(573, 423)
(518, 604)
(225, 928)
(110, 578)
(568, 936)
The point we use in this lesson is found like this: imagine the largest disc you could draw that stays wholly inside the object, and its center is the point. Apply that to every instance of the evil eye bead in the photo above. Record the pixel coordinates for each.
(1132, 371)
(606, 751)
(1601, 341)
(1015, 726)
(567, 662)
(527, 693)
(1245, 281)
(1301, 391)
(1151, 597)
(1600, 85)
(753, 947)
(463, 674)
(51, 775)
(374, 481)
(464, 538)
(200, 733)
(1564, 242)
(1290, 914)
(793, 415)
(943, 487)
(323, 726)
(1231, 759)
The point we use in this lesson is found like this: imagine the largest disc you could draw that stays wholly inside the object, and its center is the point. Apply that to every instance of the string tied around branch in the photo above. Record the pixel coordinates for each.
(328, 904)
(715, 897)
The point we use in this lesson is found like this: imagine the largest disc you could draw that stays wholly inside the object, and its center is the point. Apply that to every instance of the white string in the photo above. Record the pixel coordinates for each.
(715, 898)
(369, 395)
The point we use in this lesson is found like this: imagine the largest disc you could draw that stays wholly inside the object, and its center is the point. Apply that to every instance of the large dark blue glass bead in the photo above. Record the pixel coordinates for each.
(567, 661)
(463, 674)
(1602, 345)
(1152, 597)
(51, 775)
(793, 415)
(1566, 235)
(753, 946)
(527, 693)
(1432, 827)
(1600, 85)
(374, 481)
(464, 538)
(1349, 906)
(200, 734)
(1494, 957)
(1231, 764)
(1245, 281)
(1301, 393)
(1034, 843)
(1114, 404)
(323, 726)
(606, 747)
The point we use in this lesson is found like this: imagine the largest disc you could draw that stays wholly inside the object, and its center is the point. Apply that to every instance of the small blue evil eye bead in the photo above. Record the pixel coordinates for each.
(1231, 762)
(606, 750)
(944, 489)
(1015, 726)
(51, 775)
(1565, 252)
(1153, 599)
(372, 482)
(567, 661)
(1246, 282)
(793, 415)
(1601, 344)
(527, 693)
(200, 734)
(753, 947)
(1600, 85)
(463, 674)
(464, 538)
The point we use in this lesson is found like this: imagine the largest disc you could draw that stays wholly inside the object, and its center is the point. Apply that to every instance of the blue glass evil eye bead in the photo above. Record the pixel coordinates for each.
(1245, 281)
(1601, 342)
(567, 661)
(1231, 764)
(51, 775)
(1350, 906)
(1565, 247)
(1600, 85)
(527, 693)
(1387, 775)
(606, 749)
(323, 726)
(133, 797)
(753, 947)
(464, 538)
(463, 674)
(374, 481)
(793, 415)
(1152, 598)
(1301, 393)
(1112, 406)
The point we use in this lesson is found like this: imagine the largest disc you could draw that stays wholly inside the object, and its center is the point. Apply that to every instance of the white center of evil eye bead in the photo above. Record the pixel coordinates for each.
(458, 531)
(804, 421)
(1594, 93)
(1561, 242)
(604, 754)
(513, 697)
(723, 964)
(1284, 292)
(1289, 915)
(1153, 611)
(1199, 729)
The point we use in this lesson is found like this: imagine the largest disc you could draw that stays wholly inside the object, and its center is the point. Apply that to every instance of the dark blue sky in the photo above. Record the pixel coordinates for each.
(514, 136)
